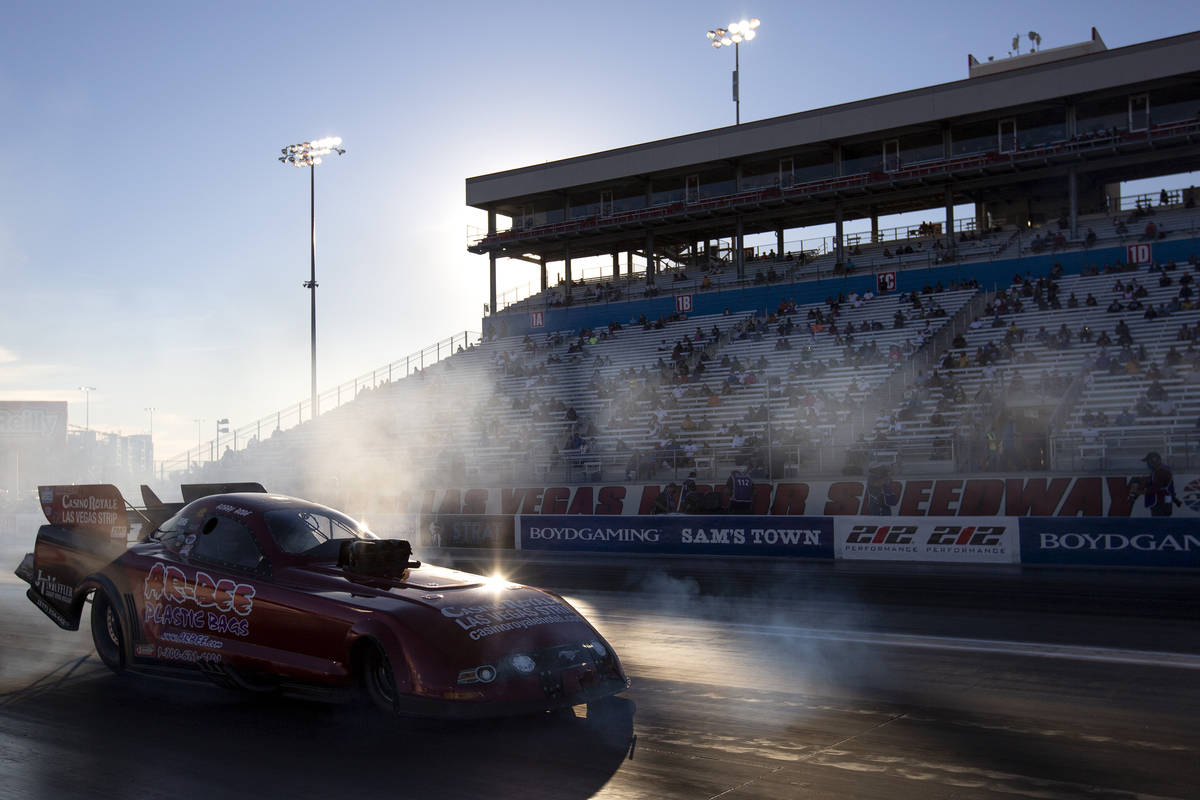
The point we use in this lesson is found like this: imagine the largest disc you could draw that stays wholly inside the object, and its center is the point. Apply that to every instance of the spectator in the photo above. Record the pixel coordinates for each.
(740, 487)
(1158, 487)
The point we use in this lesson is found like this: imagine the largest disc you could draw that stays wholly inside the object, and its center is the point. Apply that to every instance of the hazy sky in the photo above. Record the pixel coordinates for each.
(152, 246)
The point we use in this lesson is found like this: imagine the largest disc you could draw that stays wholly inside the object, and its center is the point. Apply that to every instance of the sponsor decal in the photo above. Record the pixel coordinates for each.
(96, 506)
(1014, 496)
(52, 589)
(192, 639)
(199, 603)
(235, 510)
(167, 653)
(144, 650)
(992, 540)
(805, 537)
(481, 621)
(1142, 543)
(50, 611)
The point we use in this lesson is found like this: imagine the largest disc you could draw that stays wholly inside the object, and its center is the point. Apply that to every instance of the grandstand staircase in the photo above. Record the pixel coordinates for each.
(889, 395)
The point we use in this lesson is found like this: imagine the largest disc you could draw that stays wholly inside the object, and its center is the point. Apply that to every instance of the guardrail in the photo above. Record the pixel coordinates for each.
(248, 435)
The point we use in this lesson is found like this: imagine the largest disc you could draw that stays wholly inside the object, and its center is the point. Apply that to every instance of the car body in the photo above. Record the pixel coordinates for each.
(266, 592)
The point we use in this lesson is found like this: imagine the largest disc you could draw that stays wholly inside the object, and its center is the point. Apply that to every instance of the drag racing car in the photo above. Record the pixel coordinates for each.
(264, 592)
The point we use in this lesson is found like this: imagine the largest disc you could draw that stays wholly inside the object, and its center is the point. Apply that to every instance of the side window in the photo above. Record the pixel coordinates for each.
(226, 541)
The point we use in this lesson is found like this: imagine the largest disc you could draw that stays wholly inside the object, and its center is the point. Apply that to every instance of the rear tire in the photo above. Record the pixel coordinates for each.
(378, 680)
(108, 633)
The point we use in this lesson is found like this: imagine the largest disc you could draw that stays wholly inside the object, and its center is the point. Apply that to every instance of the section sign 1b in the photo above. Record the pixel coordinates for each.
(798, 537)
(978, 540)
(1135, 542)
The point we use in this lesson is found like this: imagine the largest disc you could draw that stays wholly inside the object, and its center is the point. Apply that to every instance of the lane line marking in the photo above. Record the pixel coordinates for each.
(1066, 652)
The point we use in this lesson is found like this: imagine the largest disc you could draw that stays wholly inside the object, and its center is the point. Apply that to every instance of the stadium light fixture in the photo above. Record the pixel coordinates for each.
(734, 34)
(87, 406)
(308, 154)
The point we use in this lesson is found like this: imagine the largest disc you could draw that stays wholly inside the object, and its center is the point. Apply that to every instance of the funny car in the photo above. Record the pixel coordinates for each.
(263, 592)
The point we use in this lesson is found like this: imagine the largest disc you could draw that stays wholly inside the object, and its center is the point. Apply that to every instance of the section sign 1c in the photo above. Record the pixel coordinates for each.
(973, 540)
(1111, 542)
(797, 537)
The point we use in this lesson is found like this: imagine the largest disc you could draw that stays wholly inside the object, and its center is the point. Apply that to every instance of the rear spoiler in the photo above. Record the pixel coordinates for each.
(88, 528)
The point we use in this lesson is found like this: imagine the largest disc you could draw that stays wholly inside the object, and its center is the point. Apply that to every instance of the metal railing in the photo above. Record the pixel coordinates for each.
(250, 434)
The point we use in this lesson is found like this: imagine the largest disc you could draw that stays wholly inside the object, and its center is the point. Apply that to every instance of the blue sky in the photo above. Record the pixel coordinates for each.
(151, 245)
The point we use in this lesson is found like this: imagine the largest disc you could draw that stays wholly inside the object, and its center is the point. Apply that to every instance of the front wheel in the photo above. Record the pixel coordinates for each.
(107, 633)
(378, 681)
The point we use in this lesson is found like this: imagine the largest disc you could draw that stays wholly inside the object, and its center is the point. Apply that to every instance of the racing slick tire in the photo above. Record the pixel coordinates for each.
(378, 680)
(108, 633)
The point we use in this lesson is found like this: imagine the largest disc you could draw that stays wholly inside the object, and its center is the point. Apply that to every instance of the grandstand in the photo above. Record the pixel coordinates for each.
(962, 345)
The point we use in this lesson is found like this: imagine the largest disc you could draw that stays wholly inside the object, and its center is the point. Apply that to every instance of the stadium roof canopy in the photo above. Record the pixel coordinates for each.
(1065, 122)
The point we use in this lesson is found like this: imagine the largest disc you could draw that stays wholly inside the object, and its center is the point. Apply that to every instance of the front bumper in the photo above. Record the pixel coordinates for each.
(451, 709)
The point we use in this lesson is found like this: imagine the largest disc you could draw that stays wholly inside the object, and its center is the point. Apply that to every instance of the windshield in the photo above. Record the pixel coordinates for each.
(301, 531)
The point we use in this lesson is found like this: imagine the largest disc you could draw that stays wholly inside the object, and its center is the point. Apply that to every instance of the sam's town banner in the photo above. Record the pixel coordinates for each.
(1044, 496)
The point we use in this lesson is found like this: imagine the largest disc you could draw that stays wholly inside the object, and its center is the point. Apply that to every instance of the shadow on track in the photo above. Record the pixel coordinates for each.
(169, 736)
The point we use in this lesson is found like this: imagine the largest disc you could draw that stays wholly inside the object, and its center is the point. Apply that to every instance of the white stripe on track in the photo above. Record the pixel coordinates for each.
(1107, 655)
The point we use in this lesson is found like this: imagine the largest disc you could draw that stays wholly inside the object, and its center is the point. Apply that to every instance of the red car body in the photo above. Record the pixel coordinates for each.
(228, 587)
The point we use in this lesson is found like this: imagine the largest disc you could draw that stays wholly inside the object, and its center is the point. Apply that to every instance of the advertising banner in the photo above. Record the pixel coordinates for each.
(33, 422)
(467, 530)
(969, 498)
(1153, 542)
(798, 537)
(971, 540)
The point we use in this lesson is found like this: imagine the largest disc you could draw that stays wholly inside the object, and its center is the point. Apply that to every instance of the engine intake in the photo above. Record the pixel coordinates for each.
(377, 558)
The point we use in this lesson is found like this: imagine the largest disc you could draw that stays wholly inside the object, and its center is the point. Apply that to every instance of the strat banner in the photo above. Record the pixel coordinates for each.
(467, 530)
(797, 537)
(1012, 496)
(971, 540)
(1111, 543)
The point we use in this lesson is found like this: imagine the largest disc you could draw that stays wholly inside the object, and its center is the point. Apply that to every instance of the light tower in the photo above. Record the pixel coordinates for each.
(308, 154)
(734, 34)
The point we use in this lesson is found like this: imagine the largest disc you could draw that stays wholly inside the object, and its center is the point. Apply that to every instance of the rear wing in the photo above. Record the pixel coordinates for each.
(88, 528)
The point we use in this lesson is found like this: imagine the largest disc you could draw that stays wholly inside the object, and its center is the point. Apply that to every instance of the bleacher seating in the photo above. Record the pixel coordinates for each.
(609, 404)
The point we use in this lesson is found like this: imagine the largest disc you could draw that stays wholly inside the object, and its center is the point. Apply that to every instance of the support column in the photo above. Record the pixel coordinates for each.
(492, 275)
(567, 274)
(629, 262)
(651, 266)
(949, 219)
(492, 264)
(543, 268)
(840, 255)
(874, 226)
(616, 264)
(778, 243)
(980, 216)
(737, 246)
(1073, 194)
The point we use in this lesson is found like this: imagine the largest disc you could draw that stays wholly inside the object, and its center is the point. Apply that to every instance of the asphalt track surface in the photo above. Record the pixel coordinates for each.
(750, 680)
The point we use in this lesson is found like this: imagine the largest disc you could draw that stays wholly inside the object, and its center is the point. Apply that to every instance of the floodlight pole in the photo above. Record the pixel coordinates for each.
(737, 96)
(312, 281)
(734, 34)
(308, 154)
(87, 406)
